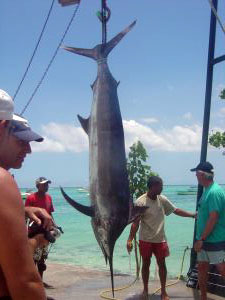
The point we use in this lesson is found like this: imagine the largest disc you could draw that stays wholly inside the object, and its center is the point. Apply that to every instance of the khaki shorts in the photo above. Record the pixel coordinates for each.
(212, 257)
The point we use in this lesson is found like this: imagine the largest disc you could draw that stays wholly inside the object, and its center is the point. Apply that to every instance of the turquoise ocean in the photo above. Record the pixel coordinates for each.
(77, 246)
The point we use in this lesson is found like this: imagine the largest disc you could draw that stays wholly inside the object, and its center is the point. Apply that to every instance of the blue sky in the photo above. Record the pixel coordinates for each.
(161, 65)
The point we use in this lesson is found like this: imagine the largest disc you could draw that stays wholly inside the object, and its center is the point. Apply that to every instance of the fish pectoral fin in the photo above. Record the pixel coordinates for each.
(84, 123)
(136, 212)
(86, 210)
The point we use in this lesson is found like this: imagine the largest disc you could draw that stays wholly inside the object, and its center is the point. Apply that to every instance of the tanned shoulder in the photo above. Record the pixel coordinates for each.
(9, 193)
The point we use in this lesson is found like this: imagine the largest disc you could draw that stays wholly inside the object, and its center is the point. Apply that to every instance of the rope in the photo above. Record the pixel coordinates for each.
(138, 263)
(35, 50)
(216, 15)
(104, 16)
(51, 61)
(179, 277)
(104, 23)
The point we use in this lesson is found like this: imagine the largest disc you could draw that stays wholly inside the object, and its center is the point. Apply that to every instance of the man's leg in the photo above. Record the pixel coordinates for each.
(41, 266)
(145, 273)
(221, 269)
(203, 268)
(146, 254)
(161, 251)
(162, 276)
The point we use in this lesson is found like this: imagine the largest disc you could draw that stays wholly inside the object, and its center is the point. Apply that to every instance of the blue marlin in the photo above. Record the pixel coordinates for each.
(111, 205)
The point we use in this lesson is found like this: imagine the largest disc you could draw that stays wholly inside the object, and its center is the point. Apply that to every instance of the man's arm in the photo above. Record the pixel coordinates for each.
(211, 222)
(23, 280)
(39, 216)
(184, 213)
(133, 230)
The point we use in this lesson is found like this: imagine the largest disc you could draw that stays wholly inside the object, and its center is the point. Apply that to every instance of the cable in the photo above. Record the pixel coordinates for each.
(51, 61)
(179, 277)
(35, 50)
(216, 15)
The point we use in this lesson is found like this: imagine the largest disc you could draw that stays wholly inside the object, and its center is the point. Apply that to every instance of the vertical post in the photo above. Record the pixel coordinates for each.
(206, 119)
(103, 22)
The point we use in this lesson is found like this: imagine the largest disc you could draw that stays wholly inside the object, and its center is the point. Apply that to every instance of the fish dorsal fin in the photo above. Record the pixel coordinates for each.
(84, 123)
(86, 210)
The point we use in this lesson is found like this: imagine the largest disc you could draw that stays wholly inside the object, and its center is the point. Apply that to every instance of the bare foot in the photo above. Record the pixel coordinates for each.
(165, 297)
(144, 295)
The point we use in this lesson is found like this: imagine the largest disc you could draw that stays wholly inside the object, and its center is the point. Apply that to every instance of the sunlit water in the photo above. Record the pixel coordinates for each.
(78, 245)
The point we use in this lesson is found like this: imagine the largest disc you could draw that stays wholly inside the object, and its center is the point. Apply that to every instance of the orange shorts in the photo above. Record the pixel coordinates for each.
(160, 250)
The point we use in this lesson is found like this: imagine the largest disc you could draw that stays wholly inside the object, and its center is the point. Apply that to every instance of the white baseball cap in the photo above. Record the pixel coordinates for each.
(6, 106)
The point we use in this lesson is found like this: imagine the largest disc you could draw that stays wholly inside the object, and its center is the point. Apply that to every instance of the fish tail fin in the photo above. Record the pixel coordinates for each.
(104, 49)
(114, 41)
(111, 272)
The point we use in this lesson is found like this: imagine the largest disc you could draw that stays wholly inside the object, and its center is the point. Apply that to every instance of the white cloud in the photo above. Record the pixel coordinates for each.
(66, 137)
(176, 139)
(62, 138)
(187, 116)
(149, 120)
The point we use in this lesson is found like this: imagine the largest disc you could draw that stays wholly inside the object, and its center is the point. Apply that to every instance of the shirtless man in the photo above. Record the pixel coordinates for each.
(19, 279)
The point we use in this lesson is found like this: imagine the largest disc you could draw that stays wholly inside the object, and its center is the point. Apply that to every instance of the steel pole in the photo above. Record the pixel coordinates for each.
(206, 119)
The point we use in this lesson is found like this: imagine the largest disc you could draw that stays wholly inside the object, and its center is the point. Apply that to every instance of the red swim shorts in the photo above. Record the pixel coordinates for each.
(160, 250)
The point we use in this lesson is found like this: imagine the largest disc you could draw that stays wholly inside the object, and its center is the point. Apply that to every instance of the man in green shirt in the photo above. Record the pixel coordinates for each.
(210, 230)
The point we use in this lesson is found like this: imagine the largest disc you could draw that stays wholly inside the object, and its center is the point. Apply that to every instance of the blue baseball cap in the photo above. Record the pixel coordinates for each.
(205, 167)
(20, 128)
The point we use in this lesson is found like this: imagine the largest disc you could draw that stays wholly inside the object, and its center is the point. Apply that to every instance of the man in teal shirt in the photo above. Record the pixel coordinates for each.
(210, 230)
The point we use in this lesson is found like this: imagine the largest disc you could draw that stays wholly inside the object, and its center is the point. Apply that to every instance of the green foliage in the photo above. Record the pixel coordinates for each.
(217, 139)
(138, 172)
(222, 94)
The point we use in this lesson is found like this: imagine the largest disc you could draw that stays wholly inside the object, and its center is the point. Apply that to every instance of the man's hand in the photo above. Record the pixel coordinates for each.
(39, 216)
(129, 246)
(198, 246)
(195, 216)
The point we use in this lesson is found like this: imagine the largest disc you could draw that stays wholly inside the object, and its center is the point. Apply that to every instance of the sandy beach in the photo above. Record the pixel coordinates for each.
(72, 282)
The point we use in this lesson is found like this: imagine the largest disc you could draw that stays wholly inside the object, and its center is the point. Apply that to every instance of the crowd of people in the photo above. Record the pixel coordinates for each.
(20, 279)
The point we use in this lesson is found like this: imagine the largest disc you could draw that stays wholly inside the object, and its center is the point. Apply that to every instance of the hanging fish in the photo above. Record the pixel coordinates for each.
(111, 205)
